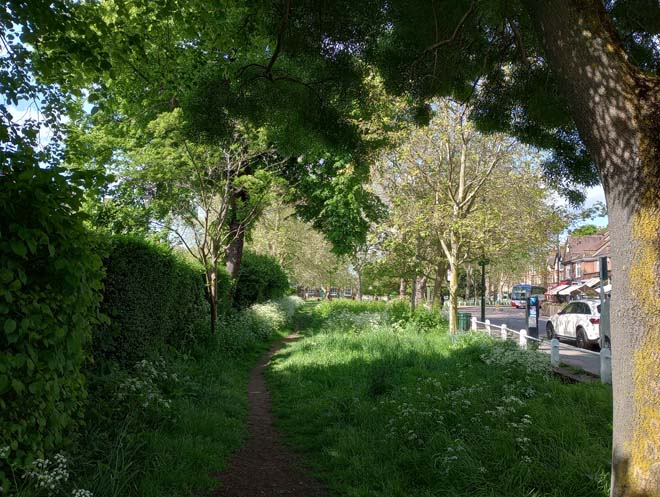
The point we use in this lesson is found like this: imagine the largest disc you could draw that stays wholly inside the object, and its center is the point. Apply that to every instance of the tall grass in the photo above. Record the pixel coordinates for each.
(398, 411)
(165, 426)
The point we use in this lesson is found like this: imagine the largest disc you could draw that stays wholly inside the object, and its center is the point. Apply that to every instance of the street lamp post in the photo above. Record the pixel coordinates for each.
(483, 262)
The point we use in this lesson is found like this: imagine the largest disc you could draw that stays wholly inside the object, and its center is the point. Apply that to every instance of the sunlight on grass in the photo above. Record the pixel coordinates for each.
(395, 408)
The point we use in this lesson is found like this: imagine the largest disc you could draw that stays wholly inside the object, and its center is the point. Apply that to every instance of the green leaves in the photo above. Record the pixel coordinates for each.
(49, 293)
(9, 326)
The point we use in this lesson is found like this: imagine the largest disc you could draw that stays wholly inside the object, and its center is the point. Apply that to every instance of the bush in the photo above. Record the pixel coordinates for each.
(260, 278)
(49, 293)
(393, 312)
(153, 297)
(241, 330)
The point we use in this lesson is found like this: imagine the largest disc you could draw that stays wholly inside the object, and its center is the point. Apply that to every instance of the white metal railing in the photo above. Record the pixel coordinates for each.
(605, 354)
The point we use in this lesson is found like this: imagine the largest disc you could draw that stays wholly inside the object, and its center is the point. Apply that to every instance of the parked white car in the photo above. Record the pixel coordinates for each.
(578, 320)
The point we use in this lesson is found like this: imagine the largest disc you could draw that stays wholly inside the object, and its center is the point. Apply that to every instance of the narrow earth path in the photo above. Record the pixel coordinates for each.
(264, 466)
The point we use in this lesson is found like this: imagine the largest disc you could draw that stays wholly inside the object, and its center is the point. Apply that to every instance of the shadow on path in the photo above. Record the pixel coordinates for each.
(265, 466)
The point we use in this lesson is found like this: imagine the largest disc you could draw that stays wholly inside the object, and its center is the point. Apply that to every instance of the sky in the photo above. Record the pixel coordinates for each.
(595, 194)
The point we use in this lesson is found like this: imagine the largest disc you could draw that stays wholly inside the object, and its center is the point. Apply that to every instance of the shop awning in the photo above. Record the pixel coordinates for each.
(592, 282)
(555, 290)
(576, 288)
(607, 288)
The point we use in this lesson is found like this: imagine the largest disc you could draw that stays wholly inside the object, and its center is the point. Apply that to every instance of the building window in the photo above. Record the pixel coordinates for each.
(578, 270)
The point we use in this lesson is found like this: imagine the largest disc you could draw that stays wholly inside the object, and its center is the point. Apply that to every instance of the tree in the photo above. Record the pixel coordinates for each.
(576, 77)
(585, 230)
(302, 251)
(442, 176)
(201, 196)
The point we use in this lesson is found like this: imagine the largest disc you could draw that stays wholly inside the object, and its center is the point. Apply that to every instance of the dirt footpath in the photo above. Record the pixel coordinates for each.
(265, 466)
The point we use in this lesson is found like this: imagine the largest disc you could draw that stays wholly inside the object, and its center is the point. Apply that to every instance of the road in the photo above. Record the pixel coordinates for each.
(515, 320)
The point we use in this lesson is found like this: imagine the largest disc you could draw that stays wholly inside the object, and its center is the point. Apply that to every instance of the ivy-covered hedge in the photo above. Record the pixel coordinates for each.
(260, 278)
(153, 297)
(49, 293)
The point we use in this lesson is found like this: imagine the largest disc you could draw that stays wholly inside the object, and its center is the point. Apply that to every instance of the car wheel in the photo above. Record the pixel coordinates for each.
(581, 339)
(549, 331)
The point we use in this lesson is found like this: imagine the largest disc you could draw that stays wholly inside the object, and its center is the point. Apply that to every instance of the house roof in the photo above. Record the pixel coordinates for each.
(577, 247)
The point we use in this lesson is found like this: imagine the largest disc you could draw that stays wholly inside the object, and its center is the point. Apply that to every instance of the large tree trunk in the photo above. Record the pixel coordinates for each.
(617, 111)
(234, 254)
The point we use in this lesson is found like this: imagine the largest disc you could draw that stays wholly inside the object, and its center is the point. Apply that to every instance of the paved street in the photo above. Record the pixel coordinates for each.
(515, 319)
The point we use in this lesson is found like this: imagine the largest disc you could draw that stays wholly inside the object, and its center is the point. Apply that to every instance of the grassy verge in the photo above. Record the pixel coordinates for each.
(395, 409)
(166, 426)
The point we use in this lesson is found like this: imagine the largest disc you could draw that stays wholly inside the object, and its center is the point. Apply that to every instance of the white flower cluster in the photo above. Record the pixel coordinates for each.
(79, 492)
(355, 322)
(289, 304)
(145, 388)
(257, 323)
(48, 475)
(511, 357)
(4, 452)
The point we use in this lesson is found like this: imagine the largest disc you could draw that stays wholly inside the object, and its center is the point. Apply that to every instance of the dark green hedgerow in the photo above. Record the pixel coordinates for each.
(153, 297)
(49, 293)
(260, 278)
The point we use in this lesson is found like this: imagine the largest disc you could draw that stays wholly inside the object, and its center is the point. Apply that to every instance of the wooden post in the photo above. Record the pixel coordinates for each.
(523, 339)
(474, 323)
(488, 326)
(503, 332)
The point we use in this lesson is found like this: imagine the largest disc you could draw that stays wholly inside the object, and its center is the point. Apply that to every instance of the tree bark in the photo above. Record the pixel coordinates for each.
(413, 292)
(421, 289)
(403, 286)
(212, 290)
(359, 286)
(617, 112)
(453, 294)
(234, 253)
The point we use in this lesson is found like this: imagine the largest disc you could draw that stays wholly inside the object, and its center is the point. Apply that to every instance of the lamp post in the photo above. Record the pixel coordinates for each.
(483, 262)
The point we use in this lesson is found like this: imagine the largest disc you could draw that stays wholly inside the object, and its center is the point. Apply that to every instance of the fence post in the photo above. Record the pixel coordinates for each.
(523, 339)
(474, 324)
(503, 332)
(606, 365)
(488, 326)
(554, 352)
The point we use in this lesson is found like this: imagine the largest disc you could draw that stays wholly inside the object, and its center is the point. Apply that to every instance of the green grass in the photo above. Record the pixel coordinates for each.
(210, 426)
(398, 412)
(172, 452)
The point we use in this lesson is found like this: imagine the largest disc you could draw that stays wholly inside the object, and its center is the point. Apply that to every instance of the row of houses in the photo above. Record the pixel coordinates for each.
(577, 260)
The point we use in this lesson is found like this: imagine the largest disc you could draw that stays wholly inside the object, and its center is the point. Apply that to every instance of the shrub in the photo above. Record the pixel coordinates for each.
(153, 297)
(49, 293)
(260, 278)
(241, 330)
(364, 314)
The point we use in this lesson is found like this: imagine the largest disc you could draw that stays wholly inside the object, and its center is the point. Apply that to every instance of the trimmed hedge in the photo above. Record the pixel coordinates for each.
(153, 297)
(49, 294)
(260, 278)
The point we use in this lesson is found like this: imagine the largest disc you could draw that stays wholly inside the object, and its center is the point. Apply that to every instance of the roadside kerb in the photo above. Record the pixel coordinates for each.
(555, 346)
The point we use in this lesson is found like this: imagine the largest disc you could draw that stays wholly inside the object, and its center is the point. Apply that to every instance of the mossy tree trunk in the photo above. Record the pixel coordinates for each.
(617, 111)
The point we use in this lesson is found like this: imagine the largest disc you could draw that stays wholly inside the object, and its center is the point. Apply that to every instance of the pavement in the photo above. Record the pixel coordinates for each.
(515, 320)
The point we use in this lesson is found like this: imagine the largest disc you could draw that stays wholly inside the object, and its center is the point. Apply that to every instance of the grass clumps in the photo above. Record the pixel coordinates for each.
(402, 410)
(164, 425)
